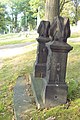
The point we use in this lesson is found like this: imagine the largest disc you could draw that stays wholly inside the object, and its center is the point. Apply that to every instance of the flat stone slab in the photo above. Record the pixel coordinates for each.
(38, 86)
(22, 101)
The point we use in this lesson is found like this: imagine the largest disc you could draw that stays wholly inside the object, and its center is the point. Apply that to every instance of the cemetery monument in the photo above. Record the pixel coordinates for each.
(48, 78)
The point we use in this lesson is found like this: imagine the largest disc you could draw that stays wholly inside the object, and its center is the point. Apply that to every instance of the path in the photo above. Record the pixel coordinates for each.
(17, 49)
(15, 45)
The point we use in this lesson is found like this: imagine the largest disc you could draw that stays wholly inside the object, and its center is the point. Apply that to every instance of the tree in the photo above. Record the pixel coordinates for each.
(15, 11)
(37, 6)
(29, 10)
(62, 4)
(71, 9)
(68, 8)
(68, 11)
(24, 7)
(2, 18)
(76, 5)
(52, 9)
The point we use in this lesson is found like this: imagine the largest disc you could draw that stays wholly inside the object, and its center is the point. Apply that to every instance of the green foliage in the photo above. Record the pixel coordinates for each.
(11, 69)
(14, 38)
(71, 110)
(73, 89)
(73, 75)
(37, 6)
(70, 8)
(24, 13)
(63, 112)
(2, 17)
(62, 4)
(23, 64)
(76, 6)
(28, 11)
(12, 42)
(68, 11)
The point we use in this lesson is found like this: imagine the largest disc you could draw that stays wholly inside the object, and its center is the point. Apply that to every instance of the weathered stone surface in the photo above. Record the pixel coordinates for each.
(40, 70)
(37, 87)
(60, 29)
(56, 89)
(22, 101)
(42, 51)
(51, 62)
(55, 94)
(58, 62)
(43, 29)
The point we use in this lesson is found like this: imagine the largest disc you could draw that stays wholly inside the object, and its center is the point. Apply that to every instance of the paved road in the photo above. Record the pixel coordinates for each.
(13, 50)
(15, 45)
(29, 43)
(17, 49)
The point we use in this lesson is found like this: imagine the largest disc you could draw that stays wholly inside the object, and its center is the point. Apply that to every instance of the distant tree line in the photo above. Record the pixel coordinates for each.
(17, 15)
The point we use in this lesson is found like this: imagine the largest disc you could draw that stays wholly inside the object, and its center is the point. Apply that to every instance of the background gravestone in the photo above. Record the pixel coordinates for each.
(42, 51)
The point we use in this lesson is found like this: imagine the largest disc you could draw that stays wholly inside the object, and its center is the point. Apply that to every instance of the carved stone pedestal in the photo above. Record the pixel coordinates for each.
(56, 89)
(42, 53)
(48, 81)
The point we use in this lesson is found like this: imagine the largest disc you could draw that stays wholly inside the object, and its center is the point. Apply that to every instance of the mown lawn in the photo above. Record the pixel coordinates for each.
(23, 64)
(18, 38)
(11, 69)
(13, 42)
(15, 38)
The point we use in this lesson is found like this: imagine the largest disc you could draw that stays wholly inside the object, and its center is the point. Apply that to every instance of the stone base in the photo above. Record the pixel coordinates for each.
(55, 94)
(37, 87)
(48, 95)
(40, 70)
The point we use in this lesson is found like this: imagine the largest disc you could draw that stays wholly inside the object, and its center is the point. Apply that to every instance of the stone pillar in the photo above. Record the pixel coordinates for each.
(56, 89)
(42, 51)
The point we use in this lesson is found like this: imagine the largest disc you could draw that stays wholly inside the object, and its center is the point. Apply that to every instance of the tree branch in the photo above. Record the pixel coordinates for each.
(63, 2)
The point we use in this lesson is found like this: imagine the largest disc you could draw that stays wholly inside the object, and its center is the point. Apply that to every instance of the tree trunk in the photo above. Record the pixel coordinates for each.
(25, 21)
(76, 11)
(51, 9)
(15, 21)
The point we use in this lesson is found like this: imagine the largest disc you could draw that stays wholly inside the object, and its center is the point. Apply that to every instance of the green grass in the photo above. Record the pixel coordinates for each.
(14, 38)
(9, 35)
(58, 113)
(14, 42)
(11, 69)
(23, 65)
(73, 72)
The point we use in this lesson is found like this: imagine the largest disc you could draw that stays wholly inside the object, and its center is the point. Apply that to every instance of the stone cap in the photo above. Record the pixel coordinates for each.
(60, 47)
(43, 39)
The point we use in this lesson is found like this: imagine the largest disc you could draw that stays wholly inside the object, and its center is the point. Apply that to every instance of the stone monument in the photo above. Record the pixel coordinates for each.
(52, 90)
(42, 51)
(56, 89)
